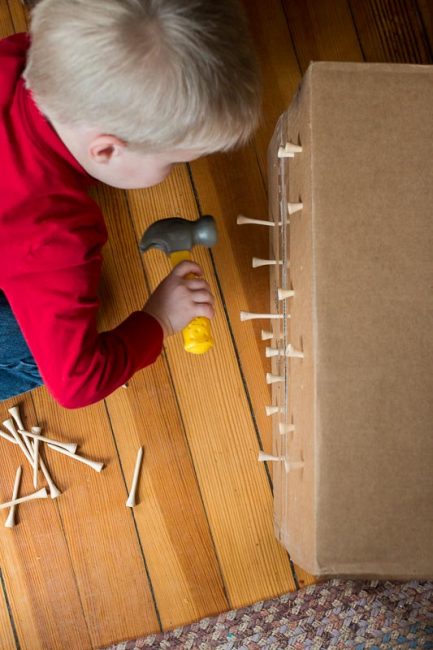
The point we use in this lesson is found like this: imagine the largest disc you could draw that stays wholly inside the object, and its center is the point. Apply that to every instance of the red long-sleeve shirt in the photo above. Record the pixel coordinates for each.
(51, 235)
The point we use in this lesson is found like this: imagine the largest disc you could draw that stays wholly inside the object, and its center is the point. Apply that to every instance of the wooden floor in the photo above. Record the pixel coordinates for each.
(84, 571)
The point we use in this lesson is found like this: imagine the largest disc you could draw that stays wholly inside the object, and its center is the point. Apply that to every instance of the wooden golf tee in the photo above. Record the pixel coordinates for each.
(38, 461)
(10, 521)
(9, 425)
(96, 465)
(132, 498)
(14, 411)
(54, 490)
(29, 454)
(35, 450)
(68, 446)
(197, 336)
(247, 315)
(34, 453)
(241, 220)
(35, 463)
(40, 494)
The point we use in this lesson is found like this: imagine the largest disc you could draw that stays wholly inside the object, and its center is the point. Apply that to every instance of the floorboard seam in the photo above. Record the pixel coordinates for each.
(355, 27)
(428, 44)
(8, 606)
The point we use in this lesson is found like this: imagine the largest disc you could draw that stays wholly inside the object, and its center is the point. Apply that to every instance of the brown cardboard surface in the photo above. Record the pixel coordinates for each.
(361, 265)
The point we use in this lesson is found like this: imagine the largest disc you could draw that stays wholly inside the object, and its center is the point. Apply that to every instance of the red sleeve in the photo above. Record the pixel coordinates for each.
(53, 293)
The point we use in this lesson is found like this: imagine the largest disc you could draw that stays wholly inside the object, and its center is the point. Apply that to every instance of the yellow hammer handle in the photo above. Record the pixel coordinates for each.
(197, 336)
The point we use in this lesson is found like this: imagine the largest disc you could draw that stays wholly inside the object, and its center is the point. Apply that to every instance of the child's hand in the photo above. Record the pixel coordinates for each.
(177, 300)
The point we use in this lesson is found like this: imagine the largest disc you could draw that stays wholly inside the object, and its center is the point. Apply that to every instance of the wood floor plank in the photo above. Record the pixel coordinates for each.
(6, 24)
(218, 425)
(322, 30)
(37, 569)
(279, 67)
(171, 519)
(18, 15)
(228, 185)
(391, 30)
(426, 9)
(103, 545)
(7, 639)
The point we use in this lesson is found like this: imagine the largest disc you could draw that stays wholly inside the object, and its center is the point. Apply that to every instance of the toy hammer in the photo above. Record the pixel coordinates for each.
(176, 237)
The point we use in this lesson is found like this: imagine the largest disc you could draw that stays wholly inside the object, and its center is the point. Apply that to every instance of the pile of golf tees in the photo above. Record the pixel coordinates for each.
(29, 442)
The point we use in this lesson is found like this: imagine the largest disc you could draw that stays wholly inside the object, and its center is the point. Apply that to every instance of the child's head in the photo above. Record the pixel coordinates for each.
(143, 82)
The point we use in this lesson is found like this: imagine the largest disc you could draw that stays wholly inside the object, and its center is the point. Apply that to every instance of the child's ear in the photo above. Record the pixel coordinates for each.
(105, 147)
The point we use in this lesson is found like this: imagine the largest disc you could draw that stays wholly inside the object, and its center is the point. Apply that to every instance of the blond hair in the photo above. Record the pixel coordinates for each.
(156, 73)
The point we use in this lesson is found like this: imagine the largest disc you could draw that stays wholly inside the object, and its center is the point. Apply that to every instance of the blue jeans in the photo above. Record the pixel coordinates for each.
(18, 370)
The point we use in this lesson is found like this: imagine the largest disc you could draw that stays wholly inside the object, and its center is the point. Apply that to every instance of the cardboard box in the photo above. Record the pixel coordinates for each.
(360, 400)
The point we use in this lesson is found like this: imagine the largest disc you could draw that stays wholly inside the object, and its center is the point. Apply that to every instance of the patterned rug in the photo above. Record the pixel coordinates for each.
(335, 614)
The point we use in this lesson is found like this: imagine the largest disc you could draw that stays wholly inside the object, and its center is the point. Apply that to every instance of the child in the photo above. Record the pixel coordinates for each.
(118, 91)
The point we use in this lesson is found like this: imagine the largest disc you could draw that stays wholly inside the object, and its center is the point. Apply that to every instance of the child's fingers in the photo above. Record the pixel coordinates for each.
(202, 296)
(186, 267)
(205, 310)
(196, 284)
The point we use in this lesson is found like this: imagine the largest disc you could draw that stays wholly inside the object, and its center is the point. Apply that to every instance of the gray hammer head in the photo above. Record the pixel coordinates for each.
(176, 234)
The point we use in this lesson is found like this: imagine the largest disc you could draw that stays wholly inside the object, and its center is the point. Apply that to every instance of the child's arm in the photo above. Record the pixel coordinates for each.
(56, 304)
